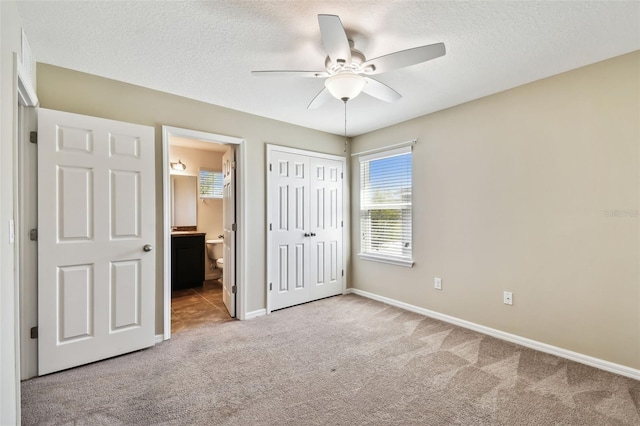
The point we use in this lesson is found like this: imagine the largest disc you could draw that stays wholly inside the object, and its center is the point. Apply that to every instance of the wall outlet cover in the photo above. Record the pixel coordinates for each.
(437, 283)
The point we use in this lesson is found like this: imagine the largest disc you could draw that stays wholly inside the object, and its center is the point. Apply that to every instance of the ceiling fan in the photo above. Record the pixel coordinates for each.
(347, 69)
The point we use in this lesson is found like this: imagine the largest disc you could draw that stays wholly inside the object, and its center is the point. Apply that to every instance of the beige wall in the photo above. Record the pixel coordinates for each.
(519, 191)
(209, 211)
(81, 93)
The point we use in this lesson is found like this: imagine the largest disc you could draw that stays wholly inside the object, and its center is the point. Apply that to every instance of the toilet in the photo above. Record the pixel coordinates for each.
(214, 253)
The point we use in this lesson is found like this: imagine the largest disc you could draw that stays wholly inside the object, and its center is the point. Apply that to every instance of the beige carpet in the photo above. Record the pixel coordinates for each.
(345, 360)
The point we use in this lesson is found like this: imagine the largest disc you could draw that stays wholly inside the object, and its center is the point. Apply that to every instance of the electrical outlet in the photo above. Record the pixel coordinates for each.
(508, 298)
(437, 283)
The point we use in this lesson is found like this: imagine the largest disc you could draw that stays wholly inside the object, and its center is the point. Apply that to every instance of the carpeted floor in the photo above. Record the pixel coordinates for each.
(345, 360)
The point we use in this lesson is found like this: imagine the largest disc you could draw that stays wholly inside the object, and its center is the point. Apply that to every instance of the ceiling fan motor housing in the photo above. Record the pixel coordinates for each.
(357, 59)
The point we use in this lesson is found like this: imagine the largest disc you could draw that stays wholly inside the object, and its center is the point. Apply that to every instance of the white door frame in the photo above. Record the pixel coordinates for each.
(167, 133)
(27, 251)
(25, 193)
(345, 208)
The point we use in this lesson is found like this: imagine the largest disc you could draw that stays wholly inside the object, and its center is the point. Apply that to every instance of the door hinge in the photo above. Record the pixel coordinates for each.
(233, 165)
(33, 235)
(270, 169)
(234, 227)
(341, 175)
(33, 137)
(34, 332)
(270, 286)
(270, 227)
(342, 224)
(234, 289)
(343, 272)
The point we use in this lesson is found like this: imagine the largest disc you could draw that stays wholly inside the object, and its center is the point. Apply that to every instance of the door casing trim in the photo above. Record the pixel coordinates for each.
(167, 132)
(25, 263)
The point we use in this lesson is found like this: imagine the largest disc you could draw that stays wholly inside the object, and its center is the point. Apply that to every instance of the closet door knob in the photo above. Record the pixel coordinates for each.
(147, 247)
(307, 234)
(313, 234)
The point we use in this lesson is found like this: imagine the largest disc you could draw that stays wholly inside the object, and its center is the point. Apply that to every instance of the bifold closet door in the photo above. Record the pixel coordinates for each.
(289, 251)
(305, 211)
(325, 248)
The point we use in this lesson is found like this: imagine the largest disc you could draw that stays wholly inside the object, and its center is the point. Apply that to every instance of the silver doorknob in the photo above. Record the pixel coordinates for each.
(147, 247)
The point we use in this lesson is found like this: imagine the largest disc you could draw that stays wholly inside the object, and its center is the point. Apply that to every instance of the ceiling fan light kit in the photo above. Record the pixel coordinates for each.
(348, 70)
(345, 85)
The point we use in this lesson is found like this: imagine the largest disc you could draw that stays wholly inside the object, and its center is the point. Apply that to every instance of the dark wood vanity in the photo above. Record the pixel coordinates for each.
(187, 259)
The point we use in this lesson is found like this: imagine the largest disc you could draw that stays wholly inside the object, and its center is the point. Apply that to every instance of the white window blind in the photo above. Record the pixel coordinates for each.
(211, 184)
(385, 206)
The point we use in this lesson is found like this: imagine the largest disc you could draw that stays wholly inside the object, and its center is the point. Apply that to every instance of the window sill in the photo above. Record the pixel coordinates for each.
(391, 260)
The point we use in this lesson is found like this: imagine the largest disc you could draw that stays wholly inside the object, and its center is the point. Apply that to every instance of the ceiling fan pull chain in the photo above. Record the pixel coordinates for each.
(345, 124)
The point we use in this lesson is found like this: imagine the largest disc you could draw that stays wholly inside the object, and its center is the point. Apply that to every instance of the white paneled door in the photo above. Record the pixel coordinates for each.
(288, 253)
(325, 221)
(96, 233)
(305, 211)
(229, 224)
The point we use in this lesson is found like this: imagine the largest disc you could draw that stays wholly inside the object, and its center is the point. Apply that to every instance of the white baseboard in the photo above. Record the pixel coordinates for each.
(513, 338)
(159, 338)
(255, 314)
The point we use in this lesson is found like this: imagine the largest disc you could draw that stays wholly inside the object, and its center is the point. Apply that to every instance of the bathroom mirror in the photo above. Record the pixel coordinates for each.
(184, 200)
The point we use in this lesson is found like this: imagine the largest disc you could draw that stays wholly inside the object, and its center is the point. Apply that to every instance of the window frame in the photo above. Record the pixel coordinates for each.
(367, 254)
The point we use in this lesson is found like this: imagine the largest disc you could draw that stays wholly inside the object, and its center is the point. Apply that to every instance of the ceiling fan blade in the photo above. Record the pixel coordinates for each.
(334, 38)
(320, 99)
(404, 58)
(318, 74)
(380, 90)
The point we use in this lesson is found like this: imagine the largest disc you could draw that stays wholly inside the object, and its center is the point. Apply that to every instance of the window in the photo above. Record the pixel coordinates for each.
(211, 184)
(385, 206)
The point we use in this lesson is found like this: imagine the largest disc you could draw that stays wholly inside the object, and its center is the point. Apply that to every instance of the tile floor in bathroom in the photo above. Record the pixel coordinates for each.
(198, 306)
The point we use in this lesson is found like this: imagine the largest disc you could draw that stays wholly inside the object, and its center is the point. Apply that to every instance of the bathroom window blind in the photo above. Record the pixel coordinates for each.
(211, 184)
(385, 206)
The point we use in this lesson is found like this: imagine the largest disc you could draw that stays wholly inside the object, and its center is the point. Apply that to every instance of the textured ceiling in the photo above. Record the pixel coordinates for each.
(206, 50)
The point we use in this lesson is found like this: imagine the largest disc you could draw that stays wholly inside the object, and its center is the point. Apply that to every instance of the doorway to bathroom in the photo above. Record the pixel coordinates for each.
(203, 228)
